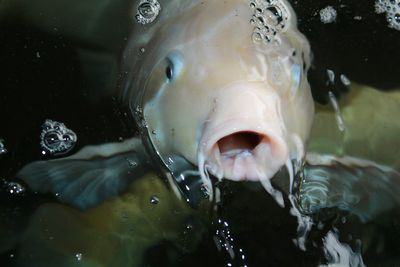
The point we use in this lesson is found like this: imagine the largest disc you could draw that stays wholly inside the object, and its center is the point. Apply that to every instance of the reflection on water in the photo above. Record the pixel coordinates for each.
(353, 209)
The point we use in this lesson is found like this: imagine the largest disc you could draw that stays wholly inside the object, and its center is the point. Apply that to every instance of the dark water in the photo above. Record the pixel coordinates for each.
(48, 75)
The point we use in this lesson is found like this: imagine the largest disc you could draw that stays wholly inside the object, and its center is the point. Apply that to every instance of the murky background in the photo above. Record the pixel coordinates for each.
(59, 64)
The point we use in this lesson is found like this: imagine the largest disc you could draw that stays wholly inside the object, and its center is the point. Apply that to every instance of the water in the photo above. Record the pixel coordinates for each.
(55, 76)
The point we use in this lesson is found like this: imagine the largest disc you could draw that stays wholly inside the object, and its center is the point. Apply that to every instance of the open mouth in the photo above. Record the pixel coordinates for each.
(244, 136)
(241, 143)
(246, 155)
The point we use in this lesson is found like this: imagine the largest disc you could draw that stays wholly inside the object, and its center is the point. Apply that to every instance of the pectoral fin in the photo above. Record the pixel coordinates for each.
(362, 187)
(90, 176)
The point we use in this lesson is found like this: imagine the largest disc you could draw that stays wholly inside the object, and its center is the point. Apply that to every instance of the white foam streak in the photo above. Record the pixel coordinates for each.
(204, 175)
(338, 114)
(276, 194)
(289, 167)
(339, 254)
(304, 224)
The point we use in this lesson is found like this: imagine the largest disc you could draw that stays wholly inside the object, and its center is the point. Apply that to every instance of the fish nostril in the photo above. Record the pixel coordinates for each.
(240, 142)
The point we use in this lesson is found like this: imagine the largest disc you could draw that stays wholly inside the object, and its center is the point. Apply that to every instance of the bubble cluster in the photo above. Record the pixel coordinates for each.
(13, 188)
(270, 17)
(225, 241)
(78, 256)
(328, 15)
(392, 10)
(147, 11)
(3, 149)
(56, 138)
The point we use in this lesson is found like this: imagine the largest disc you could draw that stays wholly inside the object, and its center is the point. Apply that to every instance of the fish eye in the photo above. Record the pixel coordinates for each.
(296, 77)
(169, 71)
(174, 65)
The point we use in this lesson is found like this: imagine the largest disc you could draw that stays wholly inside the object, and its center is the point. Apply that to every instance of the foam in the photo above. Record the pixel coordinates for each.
(392, 10)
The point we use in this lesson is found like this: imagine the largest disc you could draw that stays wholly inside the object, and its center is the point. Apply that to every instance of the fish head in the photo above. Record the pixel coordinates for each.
(221, 93)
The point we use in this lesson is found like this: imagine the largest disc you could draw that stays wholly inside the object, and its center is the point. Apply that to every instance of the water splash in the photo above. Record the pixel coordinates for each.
(304, 224)
(276, 194)
(345, 81)
(338, 114)
(331, 77)
(56, 138)
(392, 10)
(225, 241)
(147, 11)
(339, 254)
(205, 177)
(3, 149)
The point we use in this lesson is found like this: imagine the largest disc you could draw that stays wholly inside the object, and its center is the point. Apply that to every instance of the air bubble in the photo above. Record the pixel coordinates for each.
(56, 138)
(147, 11)
(78, 256)
(204, 192)
(328, 15)
(272, 16)
(3, 149)
(154, 200)
(260, 19)
(257, 37)
(392, 10)
(13, 188)
(397, 17)
(131, 163)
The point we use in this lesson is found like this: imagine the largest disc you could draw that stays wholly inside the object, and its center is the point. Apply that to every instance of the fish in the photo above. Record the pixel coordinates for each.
(218, 86)
(217, 90)
(213, 93)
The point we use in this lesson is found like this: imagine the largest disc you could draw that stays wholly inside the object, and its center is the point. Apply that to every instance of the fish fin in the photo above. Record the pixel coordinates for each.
(92, 175)
(362, 187)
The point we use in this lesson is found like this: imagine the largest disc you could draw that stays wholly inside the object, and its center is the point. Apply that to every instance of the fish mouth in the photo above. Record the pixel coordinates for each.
(246, 153)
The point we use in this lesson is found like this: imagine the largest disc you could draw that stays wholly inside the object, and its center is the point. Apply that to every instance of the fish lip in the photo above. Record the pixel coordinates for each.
(208, 146)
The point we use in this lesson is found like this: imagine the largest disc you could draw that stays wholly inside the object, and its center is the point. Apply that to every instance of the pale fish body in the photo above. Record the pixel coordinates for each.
(235, 107)
(208, 91)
